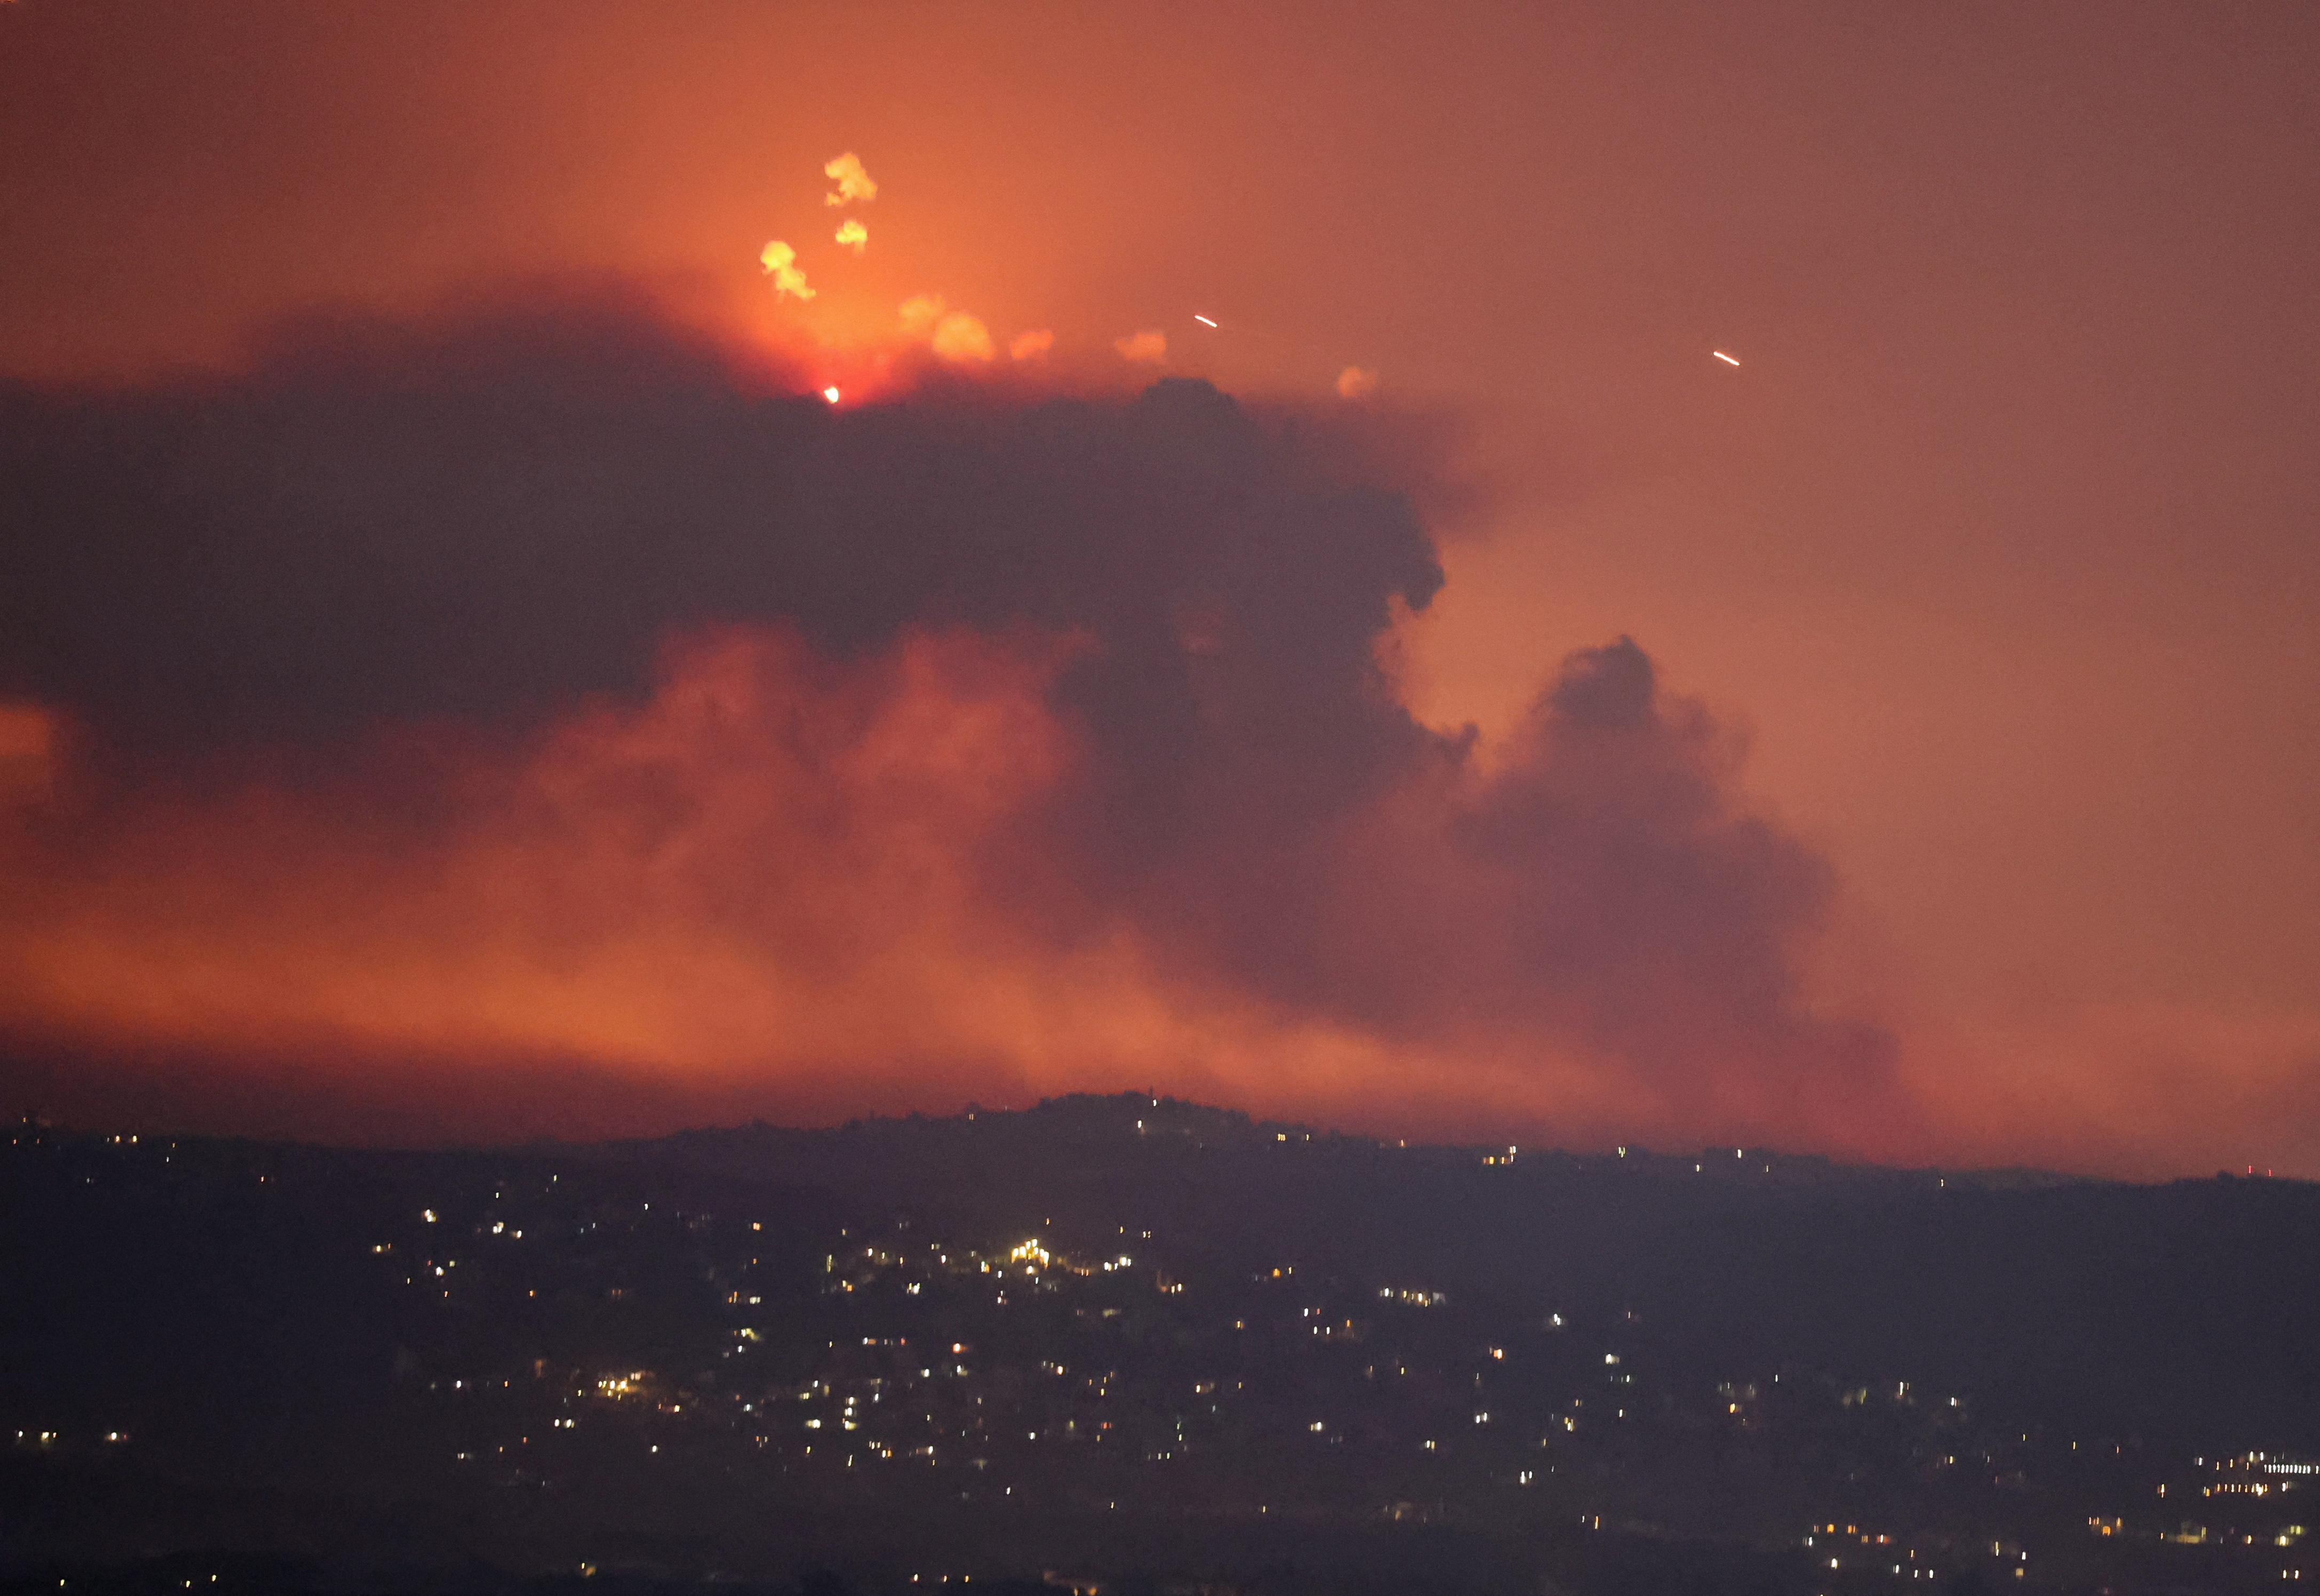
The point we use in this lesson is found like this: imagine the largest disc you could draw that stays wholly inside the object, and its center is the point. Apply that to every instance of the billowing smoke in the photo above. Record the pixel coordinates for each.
(853, 182)
(961, 337)
(779, 262)
(542, 685)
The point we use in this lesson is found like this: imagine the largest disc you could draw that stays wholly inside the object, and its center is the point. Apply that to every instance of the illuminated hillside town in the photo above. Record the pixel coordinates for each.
(1128, 1344)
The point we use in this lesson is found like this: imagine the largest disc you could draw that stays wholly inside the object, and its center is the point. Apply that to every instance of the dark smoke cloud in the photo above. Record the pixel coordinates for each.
(494, 517)
(483, 521)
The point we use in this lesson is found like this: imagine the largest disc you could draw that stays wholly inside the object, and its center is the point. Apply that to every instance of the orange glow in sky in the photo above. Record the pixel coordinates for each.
(2005, 619)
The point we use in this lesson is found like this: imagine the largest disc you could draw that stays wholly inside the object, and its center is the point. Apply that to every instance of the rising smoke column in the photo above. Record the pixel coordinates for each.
(353, 616)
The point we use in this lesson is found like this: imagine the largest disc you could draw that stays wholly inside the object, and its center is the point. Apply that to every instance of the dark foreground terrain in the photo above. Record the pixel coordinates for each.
(1144, 1345)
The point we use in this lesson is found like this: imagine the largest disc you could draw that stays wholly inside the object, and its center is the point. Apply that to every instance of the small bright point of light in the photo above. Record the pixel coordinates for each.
(1721, 355)
(1203, 320)
(831, 394)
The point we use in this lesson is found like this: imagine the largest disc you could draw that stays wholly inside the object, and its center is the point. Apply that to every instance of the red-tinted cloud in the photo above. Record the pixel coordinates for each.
(538, 687)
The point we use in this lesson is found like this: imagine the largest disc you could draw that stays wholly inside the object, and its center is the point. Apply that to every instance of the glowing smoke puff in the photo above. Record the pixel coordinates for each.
(961, 337)
(853, 235)
(1030, 345)
(780, 262)
(1357, 382)
(919, 314)
(1149, 346)
(955, 334)
(853, 182)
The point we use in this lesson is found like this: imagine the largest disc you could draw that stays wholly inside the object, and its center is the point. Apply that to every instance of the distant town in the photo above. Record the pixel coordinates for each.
(1128, 1345)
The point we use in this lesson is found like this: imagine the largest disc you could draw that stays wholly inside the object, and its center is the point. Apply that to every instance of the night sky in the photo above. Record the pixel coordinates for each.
(460, 679)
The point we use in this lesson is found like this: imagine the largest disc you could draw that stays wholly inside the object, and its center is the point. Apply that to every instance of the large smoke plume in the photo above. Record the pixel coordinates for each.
(446, 682)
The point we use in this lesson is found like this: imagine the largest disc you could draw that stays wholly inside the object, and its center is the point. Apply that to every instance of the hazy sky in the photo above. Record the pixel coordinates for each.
(2001, 544)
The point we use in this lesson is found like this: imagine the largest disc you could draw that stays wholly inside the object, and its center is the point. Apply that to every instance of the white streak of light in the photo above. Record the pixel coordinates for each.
(1721, 355)
(1203, 320)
